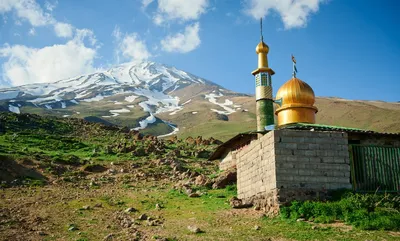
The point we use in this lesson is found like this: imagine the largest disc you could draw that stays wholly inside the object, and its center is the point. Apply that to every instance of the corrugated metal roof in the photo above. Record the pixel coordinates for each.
(319, 127)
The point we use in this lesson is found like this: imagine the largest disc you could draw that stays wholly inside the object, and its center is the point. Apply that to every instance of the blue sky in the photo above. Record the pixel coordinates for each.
(347, 49)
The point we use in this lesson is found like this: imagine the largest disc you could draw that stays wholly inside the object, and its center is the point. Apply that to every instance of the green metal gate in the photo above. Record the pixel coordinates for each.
(375, 168)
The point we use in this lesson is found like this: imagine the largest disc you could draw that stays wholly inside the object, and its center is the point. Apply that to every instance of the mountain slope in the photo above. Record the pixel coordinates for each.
(162, 100)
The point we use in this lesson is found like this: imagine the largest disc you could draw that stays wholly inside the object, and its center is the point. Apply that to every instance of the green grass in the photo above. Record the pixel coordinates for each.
(363, 211)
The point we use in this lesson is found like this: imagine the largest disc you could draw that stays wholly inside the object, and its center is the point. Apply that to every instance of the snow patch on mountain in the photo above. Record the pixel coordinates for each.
(163, 102)
(123, 110)
(175, 87)
(144, 123)
(131, 98)
(96, 98)
(175, 130)
(187, 102)
(14, 109)
(176, 111)
(45, 100)
(212, 97)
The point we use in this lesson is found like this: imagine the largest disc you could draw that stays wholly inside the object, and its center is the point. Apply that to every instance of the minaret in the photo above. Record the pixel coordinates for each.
(264, 101)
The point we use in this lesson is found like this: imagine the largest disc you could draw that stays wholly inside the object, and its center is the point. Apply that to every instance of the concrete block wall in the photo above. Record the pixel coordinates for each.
(256, 168)
(312, 160)
(284, 165)
(229, 161)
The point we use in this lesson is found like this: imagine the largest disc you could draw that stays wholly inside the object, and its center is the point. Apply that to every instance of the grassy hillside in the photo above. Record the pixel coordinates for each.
(198, 114)
(69, 179)
(370, 115)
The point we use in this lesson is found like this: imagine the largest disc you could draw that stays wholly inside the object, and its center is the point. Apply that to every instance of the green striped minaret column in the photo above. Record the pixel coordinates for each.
(264, 102)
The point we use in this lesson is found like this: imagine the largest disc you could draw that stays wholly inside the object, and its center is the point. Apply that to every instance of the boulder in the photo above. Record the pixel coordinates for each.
(203, 154)
(94, 168)
(130, 210)
(238, 203)
(215, 141)
(194, 229)
(226, 178)
(190, 140)
(201, 180)
(194, 194)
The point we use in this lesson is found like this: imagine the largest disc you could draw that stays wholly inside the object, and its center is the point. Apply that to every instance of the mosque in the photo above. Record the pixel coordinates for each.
(296, 159)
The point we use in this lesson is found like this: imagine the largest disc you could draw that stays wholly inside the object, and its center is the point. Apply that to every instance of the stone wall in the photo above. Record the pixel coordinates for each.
(284, 165)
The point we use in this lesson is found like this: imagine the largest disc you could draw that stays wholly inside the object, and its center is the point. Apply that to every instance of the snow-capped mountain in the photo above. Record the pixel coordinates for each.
(161, 100)
(140, 89)
(123, 78)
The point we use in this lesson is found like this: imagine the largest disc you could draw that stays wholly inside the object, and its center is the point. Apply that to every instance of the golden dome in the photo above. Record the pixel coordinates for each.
(296, 91)
(262, 48)
(297, 99)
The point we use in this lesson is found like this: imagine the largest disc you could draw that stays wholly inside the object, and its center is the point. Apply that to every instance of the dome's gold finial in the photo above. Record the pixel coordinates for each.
(262, 48)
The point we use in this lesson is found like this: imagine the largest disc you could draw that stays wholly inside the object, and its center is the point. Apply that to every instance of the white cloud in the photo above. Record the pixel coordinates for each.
(30, 65)
(183, 10)
(129, 46)
(31, 11)
(82, 34)
(183, 42)
(28, 10)
(146, 3)
(133, 48)
(50, 6)
(117, 33)
(294, 13)
(32, 32)
(64, 30)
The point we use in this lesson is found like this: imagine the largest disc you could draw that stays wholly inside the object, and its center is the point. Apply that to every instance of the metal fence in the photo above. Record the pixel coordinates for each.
(375, 168)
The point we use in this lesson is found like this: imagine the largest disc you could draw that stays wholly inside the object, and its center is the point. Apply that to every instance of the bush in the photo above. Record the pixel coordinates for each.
(364, 211)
